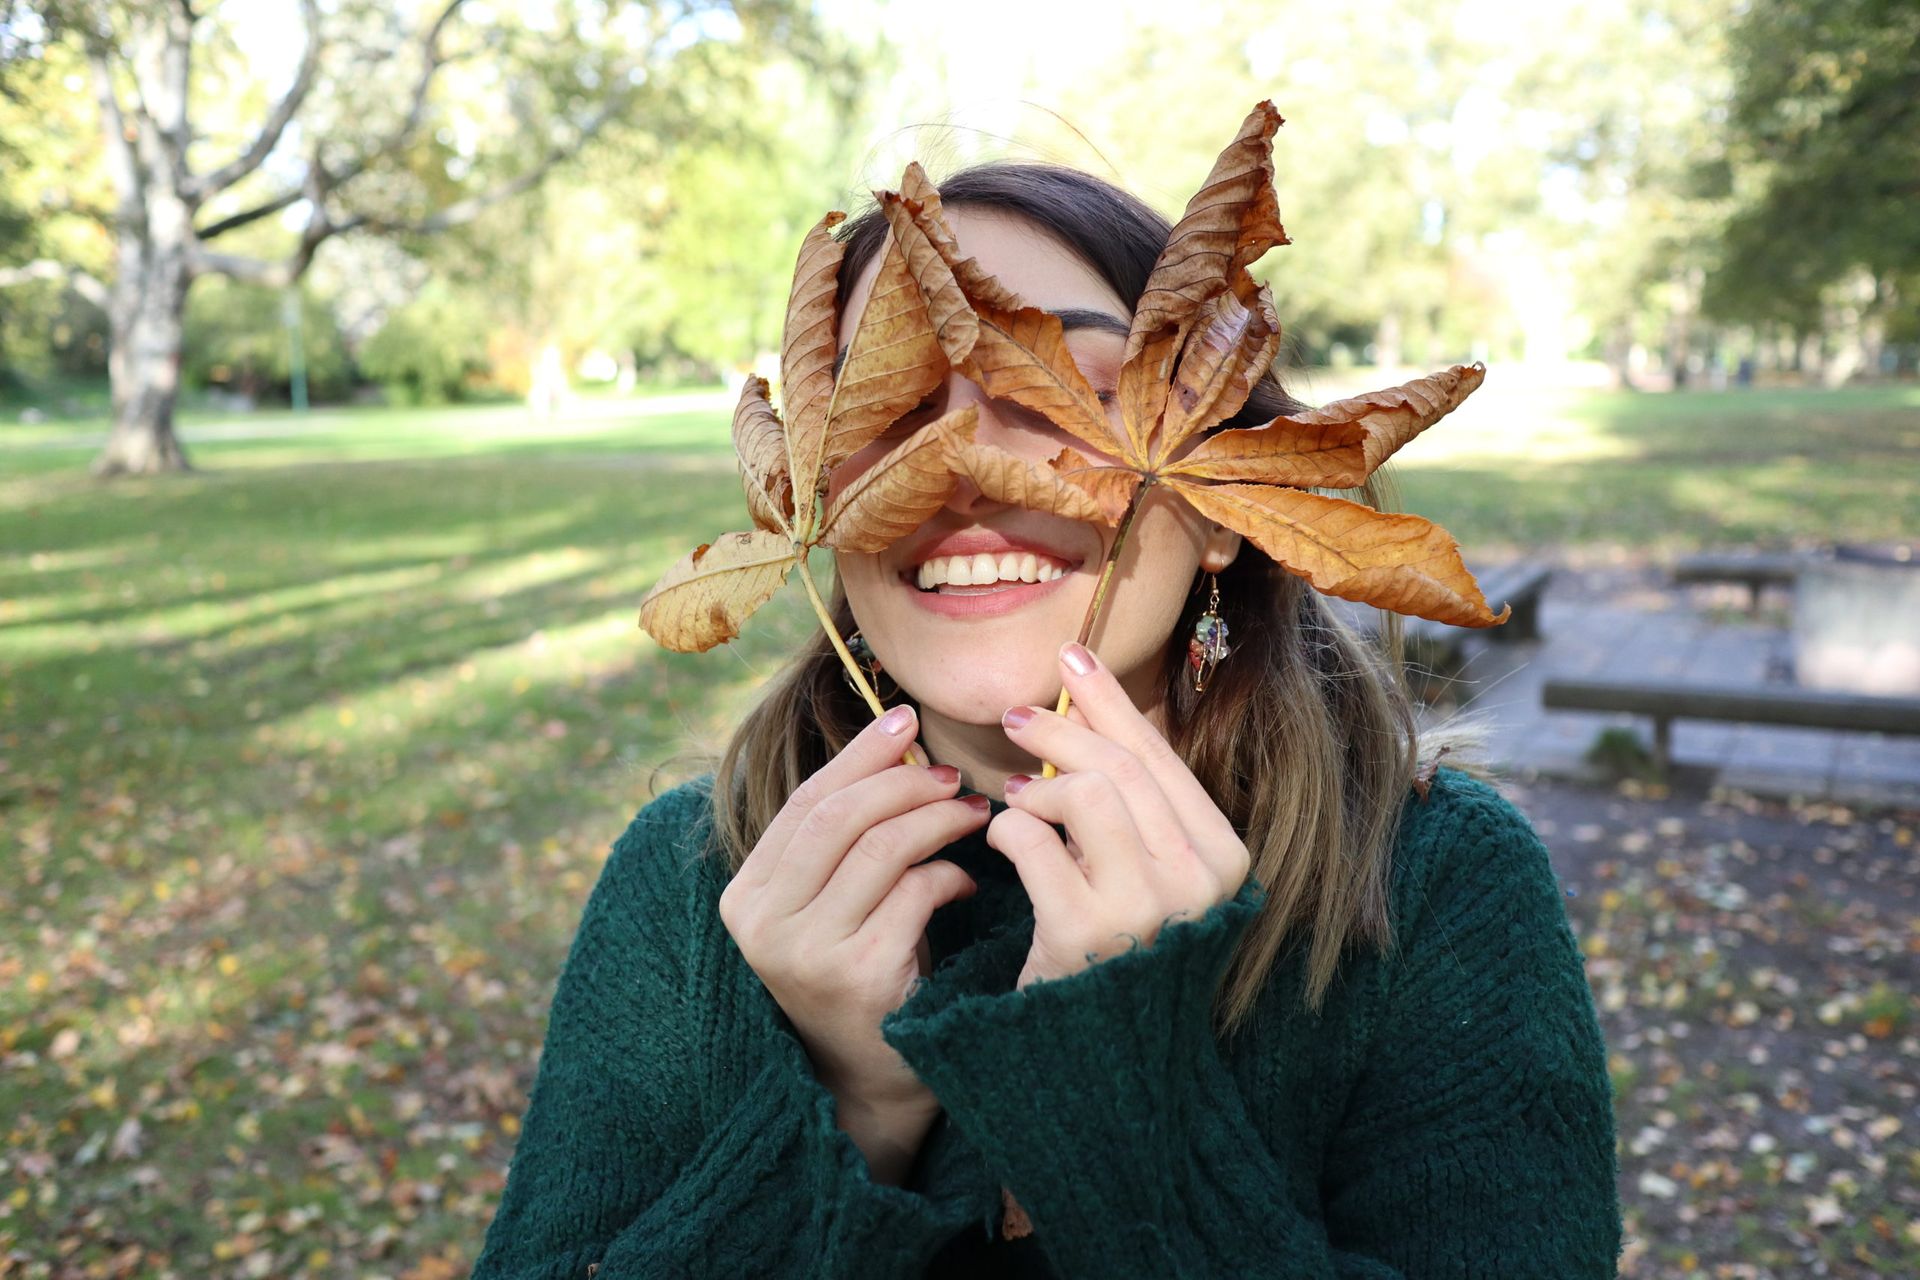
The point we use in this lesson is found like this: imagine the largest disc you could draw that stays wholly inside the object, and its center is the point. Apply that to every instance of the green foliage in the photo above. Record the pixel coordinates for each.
(1825, 121)
(237, 337)
(431, 351)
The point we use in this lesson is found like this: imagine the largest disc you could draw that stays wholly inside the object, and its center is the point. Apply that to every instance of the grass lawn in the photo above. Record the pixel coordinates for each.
(308, 761)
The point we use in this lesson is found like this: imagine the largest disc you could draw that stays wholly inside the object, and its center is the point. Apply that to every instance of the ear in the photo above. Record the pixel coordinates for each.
(1221, 546)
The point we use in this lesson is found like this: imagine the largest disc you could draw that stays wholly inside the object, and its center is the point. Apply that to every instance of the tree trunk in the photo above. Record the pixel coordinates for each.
(147, 314)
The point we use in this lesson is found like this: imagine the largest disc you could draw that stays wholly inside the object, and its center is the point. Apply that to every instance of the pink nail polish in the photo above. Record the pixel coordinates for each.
(1078, 660)
(897, 720)
(1015, 781)
(1016, 717)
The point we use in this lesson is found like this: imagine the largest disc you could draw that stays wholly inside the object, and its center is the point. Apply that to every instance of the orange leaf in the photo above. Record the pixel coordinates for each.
(1229, 223)
(761, 443)
(1146, 379)
(953, 320)
(1022, 356)
(1395, 416)
(892, 363)
(1235, 336)
(1110, 487)
(1286, 451)
(705, 599)
(895, 495)
(807, 354)
(1007, 477)
(923, 202)
(1344, 549)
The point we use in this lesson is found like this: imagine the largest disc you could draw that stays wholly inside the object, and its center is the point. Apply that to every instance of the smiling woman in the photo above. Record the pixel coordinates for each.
(1246, 989)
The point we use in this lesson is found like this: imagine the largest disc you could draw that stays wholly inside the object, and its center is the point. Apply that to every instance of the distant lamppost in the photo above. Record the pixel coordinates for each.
(296, 348)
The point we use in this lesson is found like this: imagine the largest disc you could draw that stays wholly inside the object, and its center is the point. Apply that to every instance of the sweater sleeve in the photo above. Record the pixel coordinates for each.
(1477, 1142)
(627, 1163)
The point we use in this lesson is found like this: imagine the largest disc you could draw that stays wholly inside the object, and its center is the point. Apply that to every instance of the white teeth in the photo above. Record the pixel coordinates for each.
(983, 569)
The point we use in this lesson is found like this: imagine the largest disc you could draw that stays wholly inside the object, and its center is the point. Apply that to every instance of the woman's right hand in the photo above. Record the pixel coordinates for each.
(830, 910)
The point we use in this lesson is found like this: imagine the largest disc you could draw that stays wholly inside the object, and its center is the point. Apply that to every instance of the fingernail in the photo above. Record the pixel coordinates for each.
(1015, 781)
(897, 720)
(945, 774)
(1016, 717)
(1078, 660)
(980, 804)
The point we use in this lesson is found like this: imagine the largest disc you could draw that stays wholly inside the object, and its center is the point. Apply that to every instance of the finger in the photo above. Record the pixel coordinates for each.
(1110, 711)
(915, 896)
(1090, 807)
(832, 826)
(1054, 880)
(1077, 748)
(877, 746)
(881, 855)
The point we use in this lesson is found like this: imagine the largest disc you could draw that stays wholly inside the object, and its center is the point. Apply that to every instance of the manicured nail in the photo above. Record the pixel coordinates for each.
(945, 774)
(897, 720)
(1078, 660)
(1015, 781)
(1016, 717)
(980, 804)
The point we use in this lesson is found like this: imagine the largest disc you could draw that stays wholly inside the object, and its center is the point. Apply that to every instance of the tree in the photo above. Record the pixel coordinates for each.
(398, 120)
(1825, 126)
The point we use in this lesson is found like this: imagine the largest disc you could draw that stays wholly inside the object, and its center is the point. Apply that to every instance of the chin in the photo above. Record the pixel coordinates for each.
(971, 694)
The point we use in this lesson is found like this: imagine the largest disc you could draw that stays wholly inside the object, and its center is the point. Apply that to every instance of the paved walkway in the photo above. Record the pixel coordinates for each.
(1635, 626)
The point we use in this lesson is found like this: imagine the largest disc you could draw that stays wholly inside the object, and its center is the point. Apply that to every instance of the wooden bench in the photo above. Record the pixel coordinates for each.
(1756, 572)
(1440, 648)
(1668, 700)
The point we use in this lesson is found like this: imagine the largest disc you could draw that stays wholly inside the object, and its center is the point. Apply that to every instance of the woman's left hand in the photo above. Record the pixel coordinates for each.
(1146, 845)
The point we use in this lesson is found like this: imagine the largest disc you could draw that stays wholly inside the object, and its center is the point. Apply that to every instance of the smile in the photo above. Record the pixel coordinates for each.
(984, 584)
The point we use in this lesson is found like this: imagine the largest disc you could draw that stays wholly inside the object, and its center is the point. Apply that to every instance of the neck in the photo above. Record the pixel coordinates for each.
(985, 755)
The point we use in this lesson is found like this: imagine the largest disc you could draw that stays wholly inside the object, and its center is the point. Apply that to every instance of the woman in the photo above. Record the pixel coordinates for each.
(1229, 996)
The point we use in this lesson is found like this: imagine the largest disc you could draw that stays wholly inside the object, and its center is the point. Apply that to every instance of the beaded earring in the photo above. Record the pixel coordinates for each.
(863, 654)
(1209, 642)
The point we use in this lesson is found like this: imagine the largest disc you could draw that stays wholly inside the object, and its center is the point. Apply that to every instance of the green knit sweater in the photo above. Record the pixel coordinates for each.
(1448, 1113)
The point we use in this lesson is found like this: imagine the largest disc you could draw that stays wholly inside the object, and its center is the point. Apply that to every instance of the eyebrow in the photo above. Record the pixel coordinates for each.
(1071, 318)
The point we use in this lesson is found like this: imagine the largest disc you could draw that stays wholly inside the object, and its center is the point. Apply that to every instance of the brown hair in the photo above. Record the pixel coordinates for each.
(1305, 736)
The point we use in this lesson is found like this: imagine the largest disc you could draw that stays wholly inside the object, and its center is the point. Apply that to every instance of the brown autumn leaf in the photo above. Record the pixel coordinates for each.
(705, 599)
(895, 357)
(1203, 334)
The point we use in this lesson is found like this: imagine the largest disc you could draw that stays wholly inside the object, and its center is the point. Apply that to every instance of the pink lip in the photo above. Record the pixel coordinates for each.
(985, 605)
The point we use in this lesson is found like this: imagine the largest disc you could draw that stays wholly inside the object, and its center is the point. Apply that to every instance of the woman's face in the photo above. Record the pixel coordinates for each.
(967, 652)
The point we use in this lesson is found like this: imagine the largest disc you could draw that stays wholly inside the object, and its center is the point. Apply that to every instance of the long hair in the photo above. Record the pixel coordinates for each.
(1305, 737)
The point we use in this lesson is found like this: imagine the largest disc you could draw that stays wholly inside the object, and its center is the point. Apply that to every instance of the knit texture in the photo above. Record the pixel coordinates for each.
(1447, 1114)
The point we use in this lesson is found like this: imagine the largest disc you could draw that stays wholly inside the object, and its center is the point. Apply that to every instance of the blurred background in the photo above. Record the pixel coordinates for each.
(362, 365)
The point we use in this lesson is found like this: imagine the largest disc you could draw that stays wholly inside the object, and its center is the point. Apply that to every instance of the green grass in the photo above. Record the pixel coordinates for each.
(308, 761)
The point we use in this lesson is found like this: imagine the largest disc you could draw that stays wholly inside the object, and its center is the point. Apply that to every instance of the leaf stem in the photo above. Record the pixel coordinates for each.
(1100, 595)
(840, 646)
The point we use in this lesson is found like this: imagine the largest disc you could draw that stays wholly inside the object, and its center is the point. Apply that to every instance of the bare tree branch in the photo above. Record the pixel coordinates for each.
(276, 125)
(285, 200)
(463, 211)
(121, 164)
(47, 269)
(431, 60)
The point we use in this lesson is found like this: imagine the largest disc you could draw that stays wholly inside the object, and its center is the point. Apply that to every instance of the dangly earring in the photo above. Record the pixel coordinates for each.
(1209, 642)
(863, 654)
